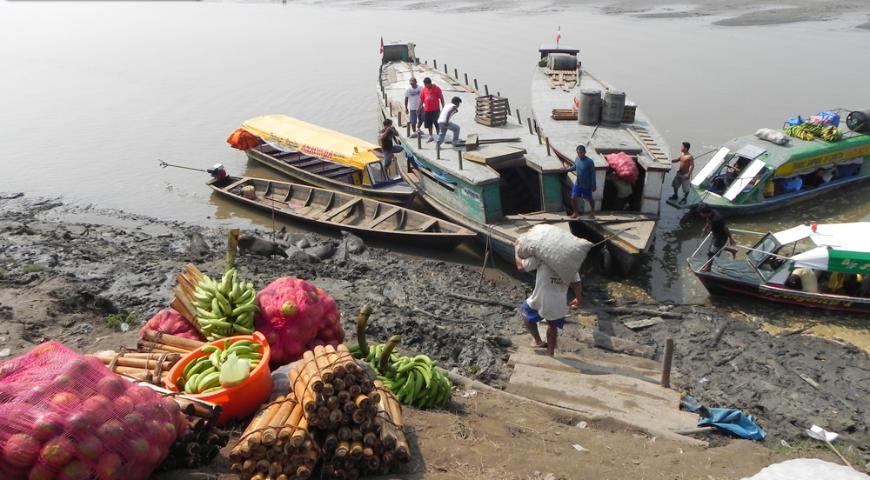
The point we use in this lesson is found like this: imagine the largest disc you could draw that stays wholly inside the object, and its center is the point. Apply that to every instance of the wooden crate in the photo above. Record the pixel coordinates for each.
(491, 110)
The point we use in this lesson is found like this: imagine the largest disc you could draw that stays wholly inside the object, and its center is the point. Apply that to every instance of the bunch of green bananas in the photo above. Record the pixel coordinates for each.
(831, 134)
(813, 128)
(225, 308)
(417, 382)
(202, 375)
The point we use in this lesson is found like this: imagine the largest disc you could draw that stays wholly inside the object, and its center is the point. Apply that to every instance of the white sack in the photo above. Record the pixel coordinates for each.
(558, 248)
(774, 136)
(807, 469)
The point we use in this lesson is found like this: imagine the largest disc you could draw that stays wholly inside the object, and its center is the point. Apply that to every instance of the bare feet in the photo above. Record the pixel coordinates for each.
(732, 251)
(574, 215)
(536, 344)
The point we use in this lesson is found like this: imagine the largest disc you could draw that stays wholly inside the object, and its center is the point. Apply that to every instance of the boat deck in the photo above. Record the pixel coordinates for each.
(636, 138)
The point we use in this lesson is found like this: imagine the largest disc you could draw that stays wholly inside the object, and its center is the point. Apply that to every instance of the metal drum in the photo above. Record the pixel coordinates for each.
(589, 106)
(613, 108)
(859, 121)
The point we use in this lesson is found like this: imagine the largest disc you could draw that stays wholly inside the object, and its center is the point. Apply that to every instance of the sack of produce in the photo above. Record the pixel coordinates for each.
(170, 322)
(296, 316)
(771, 135)
(558, 248)
(65, 416)
(624, 166)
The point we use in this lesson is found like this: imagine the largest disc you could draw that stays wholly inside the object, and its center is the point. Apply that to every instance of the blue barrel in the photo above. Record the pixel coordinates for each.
(589, 106)
(613, 108)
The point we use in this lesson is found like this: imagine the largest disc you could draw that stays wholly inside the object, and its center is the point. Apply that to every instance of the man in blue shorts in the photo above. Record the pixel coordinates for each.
(547, 301)
(585, 183)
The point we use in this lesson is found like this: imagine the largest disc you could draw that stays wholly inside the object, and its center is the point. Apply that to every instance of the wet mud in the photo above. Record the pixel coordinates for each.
(62, 281)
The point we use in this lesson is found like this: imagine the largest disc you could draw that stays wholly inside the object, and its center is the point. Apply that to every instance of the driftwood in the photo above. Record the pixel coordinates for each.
(717, 334)
(643, 311)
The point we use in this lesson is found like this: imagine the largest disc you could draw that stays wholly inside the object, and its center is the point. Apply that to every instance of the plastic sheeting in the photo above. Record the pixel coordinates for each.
(807, 469)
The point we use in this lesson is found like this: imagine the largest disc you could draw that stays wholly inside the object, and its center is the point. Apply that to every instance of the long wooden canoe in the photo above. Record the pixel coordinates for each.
(336, 210)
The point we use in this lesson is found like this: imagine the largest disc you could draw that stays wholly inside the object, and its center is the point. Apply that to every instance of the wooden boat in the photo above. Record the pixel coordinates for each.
(734, 180)
(503, 179)
(566, 101)
(336, 210)
(836, 253)
(325, 158)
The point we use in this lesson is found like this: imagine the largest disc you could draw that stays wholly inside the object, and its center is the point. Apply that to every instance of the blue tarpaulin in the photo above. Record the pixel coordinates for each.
(734, 421)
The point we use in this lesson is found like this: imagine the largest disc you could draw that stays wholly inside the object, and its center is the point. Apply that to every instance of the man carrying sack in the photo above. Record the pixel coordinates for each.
(541, 247)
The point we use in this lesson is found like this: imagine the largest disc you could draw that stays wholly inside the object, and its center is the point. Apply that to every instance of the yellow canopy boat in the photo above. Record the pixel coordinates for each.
(325, 158)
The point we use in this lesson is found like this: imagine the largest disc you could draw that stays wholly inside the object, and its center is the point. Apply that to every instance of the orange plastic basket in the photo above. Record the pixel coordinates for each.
(243, 399)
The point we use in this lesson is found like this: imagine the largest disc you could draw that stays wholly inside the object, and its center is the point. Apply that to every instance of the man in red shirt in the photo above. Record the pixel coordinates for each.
(433, 102)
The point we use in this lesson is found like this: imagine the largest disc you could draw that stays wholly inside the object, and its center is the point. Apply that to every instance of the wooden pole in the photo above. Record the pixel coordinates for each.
(466, 79)
(538, 131)
(547, 140)
(475, 84)
(486, 89)
(529, 121)
(519, 119)
(460, 158)
(445, 69)
(666, 366)
(455, 73)
(435, 64)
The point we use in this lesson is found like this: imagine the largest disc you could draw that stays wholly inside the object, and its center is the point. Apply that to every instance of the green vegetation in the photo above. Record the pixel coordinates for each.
(33, 268)
(473, 369)
(122, 320)
(808, 444)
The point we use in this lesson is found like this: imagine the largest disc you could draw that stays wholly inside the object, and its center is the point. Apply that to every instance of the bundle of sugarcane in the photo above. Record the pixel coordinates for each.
(374, 446)
(197, 447)
(333, 389)
(146, 367)
(162, 343)
(202, 441)
(276, 445)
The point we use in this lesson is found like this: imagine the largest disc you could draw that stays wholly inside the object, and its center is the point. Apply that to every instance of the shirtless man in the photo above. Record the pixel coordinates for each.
(684, 174)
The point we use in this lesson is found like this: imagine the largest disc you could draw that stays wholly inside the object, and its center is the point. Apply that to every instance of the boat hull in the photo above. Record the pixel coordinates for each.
(338, 211)
(400, 196)
(772, 203)
(720, 285)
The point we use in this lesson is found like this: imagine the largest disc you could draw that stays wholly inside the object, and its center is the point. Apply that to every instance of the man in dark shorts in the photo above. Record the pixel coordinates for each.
(433, 102)
(585, 184)
(721, 235)
(388, 137)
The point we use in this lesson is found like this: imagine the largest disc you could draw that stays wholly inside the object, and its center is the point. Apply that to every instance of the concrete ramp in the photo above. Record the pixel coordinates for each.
(601, 390)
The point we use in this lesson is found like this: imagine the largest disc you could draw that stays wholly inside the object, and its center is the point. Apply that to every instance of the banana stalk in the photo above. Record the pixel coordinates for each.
(361, 323)
(385, 364)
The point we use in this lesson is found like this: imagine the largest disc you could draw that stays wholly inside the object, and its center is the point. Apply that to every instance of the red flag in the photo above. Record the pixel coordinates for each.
(382, 45)
(558, 34)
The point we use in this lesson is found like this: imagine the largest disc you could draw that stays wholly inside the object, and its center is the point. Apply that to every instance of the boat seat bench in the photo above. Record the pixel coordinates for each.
(429, 224)
(380, 218)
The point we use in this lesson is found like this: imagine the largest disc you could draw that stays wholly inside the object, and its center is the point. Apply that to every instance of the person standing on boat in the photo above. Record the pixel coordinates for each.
(584, 185)
(445, 124)
(386, 136)
(433, 102)
(547, 301)
(721, 235)
(684, 173)
(414, 107)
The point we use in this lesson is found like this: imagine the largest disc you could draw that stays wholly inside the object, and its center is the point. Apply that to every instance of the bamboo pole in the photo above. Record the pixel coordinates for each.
(172, 340)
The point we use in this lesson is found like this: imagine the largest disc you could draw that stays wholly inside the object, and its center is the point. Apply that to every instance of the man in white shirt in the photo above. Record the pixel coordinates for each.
(445, 124)
(547, 302)
(414, 106)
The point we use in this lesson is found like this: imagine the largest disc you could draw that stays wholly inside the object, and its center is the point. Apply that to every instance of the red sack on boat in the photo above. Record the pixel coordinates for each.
(623, 165)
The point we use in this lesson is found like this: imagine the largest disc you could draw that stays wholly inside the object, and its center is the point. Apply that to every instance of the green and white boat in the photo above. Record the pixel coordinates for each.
(747, 174)
(837, 256)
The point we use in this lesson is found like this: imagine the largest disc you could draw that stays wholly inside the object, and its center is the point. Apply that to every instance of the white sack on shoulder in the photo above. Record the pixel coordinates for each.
(558, 248)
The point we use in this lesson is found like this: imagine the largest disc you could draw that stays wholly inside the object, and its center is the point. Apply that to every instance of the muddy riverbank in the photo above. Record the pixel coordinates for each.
(62, 280)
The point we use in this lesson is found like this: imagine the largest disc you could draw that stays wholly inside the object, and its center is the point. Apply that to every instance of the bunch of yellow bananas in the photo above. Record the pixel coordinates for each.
(831, 134)
(225, 308)
(802, 131)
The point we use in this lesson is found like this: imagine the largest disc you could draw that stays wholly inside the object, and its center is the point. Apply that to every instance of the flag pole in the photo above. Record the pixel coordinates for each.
(558, 35)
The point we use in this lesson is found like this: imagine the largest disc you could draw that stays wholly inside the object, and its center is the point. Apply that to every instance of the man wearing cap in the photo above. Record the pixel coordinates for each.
(445, 124)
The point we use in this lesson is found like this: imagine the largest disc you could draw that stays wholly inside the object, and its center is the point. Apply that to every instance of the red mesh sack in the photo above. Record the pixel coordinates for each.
(623, 165)
(66, 417)
(170, 322)
(296, 316)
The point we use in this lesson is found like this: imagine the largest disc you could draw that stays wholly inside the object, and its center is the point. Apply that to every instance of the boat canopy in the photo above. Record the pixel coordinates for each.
(840, 247)
(313, 140)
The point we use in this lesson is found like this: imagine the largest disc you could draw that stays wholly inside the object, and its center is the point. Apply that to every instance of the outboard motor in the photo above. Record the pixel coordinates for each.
(217, 171)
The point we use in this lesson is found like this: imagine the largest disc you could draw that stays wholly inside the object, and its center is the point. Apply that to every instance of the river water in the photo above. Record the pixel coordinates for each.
(94, 93)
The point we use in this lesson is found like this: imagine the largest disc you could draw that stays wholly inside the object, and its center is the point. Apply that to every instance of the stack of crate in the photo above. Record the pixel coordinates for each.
(491, 110)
